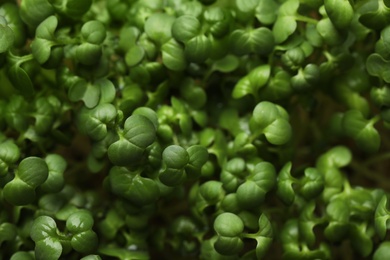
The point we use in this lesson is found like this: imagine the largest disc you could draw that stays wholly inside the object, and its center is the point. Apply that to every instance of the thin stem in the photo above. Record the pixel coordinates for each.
(305, 19)
(374, 120)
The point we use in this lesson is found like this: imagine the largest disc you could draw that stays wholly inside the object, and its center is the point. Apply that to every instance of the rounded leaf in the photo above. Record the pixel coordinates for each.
(340, 12)
(18, 193)
(172, 177)
(48, 248)
(249, 195)
(228, 225)
(212, 192)
(278, 132)
(175, 156)
(124, 153)
(185, 27)
(33, 171)
(228, 245)
(173, 56)
(197, 49)
(139, 131)
(55, 181)
(260, 41)
(93, 32)
(43, 227)
(85, 242)
(382, 252)
(79, 221)
(158, 27)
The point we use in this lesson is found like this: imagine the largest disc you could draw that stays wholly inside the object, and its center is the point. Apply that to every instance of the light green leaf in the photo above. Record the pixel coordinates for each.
(7, 36)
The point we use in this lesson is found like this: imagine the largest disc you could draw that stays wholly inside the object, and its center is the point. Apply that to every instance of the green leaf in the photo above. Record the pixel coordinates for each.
(264, 114)
(94, 122)
(93, 32)
(232, 172)
(185, 27)
(92, 93)
(338, 211)
(7, 36)
(338, 156)
(382, 251)
(21, 81)
(212, 192)
(278, 87)
(307, 222)
(285, 190)
(33, 171)
(133, 187)
(123, 153)
(265, 238)
(376, 16)
(79, 221)
(194, 95)
(9, 154)
(266, 12)
(18, 193)
(88, 53)
(172, 177)
(260, 41)
(283, 28)
(175, 157)
(312, 184)
(55, 180)
(252, 192)
(34, 12)
(139, 130)
(158, 27)
(251, 83)
(228, 227)
(380, 96)
(173, 56)
(44, 234)
(340, 13)
(123, 253)
(48, 248)
(85, 242)
(278, 132)
(360, 240)
(329, 33)
(134, 55)
(377, 66)
(293, 58)
(197, 49)
(73, 9)
(227, 64)
(198, 156)
(382, 215)
(8, 232)
(219, 20)
(23, 256)
(362, 130)
(86, 92)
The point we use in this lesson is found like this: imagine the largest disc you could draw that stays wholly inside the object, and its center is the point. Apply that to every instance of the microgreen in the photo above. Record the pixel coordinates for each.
(194, 129)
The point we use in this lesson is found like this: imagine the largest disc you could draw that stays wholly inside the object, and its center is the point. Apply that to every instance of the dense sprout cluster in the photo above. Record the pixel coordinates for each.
(194, 129)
